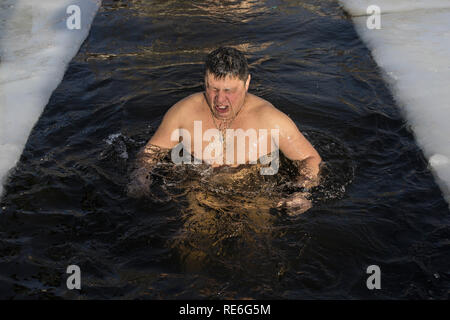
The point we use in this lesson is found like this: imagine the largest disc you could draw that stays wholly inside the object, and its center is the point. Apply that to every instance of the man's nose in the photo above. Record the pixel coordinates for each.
(221, 97)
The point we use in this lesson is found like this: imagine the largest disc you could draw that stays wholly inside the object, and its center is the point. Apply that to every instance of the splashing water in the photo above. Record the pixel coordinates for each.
(230, 212)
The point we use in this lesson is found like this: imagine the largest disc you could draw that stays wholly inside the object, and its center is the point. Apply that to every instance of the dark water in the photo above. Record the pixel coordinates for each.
(66, 204)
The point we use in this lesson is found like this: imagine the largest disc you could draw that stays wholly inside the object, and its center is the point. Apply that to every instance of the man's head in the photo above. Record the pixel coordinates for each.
(226, 81)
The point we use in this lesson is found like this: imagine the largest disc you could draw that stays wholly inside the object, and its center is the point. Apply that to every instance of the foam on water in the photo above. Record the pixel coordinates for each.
(413, 49)
(35, 48)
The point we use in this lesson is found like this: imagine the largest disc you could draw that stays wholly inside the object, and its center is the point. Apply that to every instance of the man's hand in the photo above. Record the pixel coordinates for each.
(307, 181)
(308, 174)
(140, 182)
(308, 177)
(141, 177)
(295, 204)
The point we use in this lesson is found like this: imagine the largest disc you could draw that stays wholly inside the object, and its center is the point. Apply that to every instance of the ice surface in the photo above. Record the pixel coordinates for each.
(413, 49)
(359, 7)
(35, 48)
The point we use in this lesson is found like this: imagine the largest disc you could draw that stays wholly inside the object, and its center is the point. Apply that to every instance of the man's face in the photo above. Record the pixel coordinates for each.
(225, 96)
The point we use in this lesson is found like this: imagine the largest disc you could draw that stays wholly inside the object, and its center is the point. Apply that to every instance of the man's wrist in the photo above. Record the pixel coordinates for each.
(308, 175)
(152, 154)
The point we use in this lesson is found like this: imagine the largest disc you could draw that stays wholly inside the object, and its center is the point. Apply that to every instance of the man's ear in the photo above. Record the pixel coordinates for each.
(247, 83)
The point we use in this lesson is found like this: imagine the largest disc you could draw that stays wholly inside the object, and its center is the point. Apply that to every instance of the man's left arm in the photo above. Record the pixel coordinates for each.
(297, 148)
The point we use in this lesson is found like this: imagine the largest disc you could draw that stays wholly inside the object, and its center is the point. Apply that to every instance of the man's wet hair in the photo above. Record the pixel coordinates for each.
(227, 61)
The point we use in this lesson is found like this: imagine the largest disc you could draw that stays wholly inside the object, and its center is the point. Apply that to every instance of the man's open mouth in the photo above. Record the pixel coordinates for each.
(222, 109)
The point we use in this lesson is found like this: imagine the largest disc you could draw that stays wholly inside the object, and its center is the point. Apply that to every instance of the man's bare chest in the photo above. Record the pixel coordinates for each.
(242, 142)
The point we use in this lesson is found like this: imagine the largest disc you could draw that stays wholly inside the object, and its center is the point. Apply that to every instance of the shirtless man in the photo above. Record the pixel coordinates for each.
(226, 104)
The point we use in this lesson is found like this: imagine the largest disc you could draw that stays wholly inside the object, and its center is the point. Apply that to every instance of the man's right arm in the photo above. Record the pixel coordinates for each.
(170, 123)
(152, 153)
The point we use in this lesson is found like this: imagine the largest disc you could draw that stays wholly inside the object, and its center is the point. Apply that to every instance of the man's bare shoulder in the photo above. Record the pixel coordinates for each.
(189, 103)
(266, 111)
(187, 107)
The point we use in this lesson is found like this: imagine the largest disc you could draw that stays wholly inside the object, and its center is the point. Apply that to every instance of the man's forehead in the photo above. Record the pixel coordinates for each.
(227, 80)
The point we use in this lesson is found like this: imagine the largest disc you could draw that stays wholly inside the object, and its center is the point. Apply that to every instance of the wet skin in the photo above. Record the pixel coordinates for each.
(226, 104)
